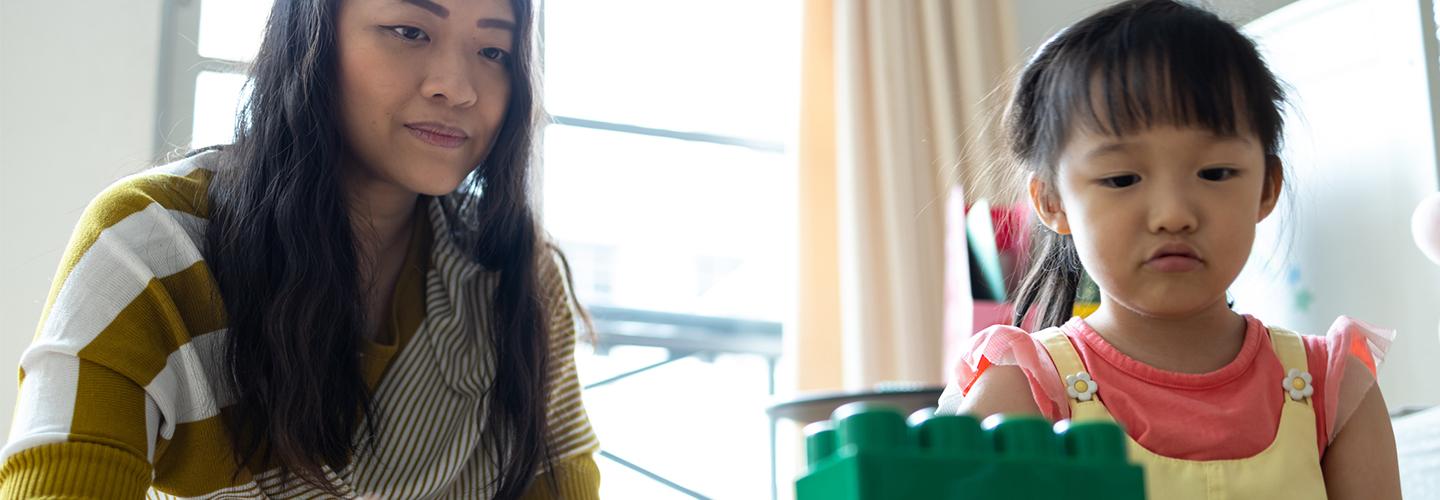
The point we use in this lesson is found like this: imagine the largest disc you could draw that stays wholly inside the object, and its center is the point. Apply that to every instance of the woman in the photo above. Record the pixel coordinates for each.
(353, 298)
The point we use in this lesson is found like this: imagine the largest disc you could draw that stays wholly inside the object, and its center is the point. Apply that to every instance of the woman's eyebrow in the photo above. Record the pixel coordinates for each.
(432, 7)
(494, 23)
(444, 13)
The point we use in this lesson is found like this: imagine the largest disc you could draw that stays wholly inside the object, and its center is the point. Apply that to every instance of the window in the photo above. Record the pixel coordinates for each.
(206, 47)
(668, 180)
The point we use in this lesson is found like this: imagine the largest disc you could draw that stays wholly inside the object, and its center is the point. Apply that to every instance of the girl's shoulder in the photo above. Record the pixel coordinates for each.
(1349, 338)
(1344, 361)
(1008, 346)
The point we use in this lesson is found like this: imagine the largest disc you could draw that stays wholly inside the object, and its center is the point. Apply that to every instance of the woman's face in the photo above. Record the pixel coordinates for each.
(424, 86)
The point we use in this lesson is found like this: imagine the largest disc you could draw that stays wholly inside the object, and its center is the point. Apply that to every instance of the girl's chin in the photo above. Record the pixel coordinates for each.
(1173, 308)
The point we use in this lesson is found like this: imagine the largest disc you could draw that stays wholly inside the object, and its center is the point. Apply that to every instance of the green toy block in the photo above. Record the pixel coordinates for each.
(870, 452)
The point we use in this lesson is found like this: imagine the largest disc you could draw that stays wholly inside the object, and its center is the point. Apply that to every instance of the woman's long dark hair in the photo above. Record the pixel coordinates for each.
(1133, 65)
(281, 247)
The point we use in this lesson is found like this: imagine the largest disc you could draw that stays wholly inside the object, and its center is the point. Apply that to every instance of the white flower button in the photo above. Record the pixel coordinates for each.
(1297, 383)
(1080, 386)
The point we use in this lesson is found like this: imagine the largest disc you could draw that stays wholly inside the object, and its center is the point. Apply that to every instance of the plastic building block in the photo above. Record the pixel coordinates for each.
(870, 452)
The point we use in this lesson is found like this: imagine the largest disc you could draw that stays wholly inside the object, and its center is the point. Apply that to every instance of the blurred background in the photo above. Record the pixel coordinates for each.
(767, 204)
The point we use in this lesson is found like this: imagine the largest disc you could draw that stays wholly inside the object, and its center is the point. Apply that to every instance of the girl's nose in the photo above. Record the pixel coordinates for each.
(1172, 212)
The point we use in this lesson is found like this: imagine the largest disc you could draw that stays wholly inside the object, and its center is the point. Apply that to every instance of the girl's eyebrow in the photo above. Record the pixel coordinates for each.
(1122, 146)
(1107, 148)
(1233, 138)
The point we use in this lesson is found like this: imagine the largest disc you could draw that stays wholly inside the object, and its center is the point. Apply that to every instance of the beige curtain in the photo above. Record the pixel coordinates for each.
(894, 113)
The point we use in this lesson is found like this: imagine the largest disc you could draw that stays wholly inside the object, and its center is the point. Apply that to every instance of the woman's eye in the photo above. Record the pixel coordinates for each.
(1120, 181)
(1218, 174)
(498, 55)
(409, 33)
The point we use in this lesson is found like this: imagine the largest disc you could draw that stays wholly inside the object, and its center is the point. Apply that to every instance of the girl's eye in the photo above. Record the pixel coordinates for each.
(497, 55)
(1218, 174)
(1120, 181)
(409, 33)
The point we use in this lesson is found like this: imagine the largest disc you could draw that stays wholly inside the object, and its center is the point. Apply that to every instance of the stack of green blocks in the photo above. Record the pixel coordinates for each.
(868, 452)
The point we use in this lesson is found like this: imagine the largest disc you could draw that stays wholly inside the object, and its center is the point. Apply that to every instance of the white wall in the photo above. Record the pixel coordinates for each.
(77, 111)
(1360, 147)
(1037, 20)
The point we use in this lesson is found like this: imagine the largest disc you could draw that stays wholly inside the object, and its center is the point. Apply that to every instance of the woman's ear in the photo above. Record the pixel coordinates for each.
(1274, 181)
(1047, 206)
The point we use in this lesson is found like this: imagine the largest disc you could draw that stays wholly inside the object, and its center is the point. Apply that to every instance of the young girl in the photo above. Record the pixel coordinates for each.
(353, 298)
(1150, 132)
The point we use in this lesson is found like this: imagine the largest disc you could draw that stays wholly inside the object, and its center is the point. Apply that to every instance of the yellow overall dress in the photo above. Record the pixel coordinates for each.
(1288, 469)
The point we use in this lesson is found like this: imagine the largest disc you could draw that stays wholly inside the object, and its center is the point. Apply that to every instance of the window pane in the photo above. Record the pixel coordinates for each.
(726, 446)
(231, 29)
(217, 99)
(729, 68)
(671, 225)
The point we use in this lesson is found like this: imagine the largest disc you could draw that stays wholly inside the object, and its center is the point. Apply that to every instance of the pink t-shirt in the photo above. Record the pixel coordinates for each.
(1229, 413)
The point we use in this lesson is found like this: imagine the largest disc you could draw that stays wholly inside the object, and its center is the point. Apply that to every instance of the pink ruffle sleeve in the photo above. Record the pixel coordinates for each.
(1004, 345)
(1350, 343)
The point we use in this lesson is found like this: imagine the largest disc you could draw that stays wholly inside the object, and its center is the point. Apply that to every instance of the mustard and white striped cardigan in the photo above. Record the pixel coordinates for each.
(121, 392)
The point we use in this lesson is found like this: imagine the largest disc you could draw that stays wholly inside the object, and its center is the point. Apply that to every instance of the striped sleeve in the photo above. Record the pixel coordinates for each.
(85, 425)
(574, 477)
(571, 440)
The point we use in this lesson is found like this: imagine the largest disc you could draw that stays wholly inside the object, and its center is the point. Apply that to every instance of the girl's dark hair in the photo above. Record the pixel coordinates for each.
(1136, 64)
(281, 247)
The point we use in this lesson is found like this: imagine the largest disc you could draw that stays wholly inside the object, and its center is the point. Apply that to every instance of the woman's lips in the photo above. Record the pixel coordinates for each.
(438, 135)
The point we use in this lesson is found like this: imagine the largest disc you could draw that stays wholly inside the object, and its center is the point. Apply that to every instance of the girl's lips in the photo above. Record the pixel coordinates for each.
(1174, 264)
(438, 136)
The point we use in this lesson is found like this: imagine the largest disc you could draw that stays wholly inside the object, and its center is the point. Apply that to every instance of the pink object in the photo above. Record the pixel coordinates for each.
(959, 309)
(1011, 232)
(989, 313)
(1232, 412)
(1425, 226)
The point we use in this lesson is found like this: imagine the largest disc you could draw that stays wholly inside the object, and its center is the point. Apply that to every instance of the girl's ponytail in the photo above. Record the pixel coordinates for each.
(1050, 285)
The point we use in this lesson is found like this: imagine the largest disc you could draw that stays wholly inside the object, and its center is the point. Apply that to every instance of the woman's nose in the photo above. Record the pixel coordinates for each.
(449, 82)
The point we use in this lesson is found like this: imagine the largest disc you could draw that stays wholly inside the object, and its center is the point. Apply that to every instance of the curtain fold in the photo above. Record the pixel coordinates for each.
(895, 111)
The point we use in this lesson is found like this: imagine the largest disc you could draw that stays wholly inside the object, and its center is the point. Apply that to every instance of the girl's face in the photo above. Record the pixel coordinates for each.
(424, 85)
(1163, 220)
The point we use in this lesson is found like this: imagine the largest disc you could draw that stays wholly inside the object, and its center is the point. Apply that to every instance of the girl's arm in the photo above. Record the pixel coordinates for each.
(1001, 389)
(1360, 462)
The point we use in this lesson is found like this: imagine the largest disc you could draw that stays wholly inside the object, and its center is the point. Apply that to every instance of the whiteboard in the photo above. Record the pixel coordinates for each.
(1361, 154)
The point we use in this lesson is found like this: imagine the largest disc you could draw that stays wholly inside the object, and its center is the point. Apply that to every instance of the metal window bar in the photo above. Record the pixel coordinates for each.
(759, 145)
(684, 335)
